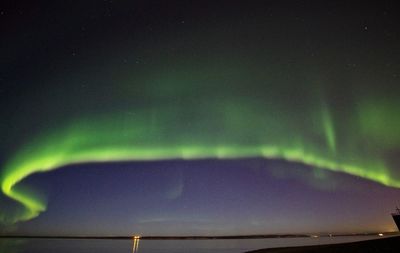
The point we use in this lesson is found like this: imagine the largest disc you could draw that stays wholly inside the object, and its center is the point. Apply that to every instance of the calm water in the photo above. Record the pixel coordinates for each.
(160, 246)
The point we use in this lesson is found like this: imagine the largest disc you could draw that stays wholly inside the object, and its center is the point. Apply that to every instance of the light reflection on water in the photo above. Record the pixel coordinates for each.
(161, 246)
(135, 244)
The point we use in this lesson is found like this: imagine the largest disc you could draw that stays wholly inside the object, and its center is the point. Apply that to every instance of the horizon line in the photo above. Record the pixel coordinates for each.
(199, 237)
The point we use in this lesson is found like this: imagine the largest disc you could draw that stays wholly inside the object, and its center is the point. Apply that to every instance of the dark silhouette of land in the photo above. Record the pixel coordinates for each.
(261, 236)
(158, 237)
(384, 245)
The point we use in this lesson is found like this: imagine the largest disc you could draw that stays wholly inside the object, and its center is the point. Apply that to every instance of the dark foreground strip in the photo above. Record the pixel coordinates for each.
(384, 245)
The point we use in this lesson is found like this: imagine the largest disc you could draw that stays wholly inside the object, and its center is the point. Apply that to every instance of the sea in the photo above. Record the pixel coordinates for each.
(12, 245)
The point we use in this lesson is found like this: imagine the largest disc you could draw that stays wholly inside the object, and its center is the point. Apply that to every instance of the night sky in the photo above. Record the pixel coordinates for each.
(199, 118)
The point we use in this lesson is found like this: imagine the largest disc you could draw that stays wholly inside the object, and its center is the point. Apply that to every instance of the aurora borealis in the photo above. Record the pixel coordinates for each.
(135, 82)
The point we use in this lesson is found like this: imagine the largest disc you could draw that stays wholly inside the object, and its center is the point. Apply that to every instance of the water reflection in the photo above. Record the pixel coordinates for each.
(135, 246)
(11, 245)
(159, 246)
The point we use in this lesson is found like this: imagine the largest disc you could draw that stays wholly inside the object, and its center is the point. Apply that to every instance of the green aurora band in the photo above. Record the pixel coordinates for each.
(202, 111)
(105, 140)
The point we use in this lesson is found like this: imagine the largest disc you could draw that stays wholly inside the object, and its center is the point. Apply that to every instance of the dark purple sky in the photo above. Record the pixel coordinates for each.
(208, 197)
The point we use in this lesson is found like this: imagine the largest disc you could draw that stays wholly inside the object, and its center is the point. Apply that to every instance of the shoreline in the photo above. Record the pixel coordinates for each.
(385, 245)
(266, 236)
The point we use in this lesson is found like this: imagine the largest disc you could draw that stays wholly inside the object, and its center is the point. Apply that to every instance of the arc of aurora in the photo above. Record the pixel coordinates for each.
(104, 141)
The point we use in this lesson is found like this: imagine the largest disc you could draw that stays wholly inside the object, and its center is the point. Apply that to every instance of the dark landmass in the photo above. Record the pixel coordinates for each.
(188, 237)
(221, 237)
(385, 245)
(157, 237)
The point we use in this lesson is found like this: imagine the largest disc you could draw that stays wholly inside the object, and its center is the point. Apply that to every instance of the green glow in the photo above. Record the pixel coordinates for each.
(202, 111)
(329, 130)
(380, 120)
(103, 139)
